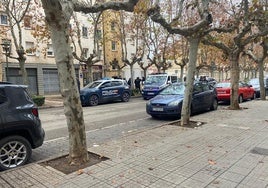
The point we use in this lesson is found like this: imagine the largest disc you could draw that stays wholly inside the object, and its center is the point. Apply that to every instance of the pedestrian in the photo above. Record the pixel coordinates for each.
(142, 80)
(138, 84)
(129, 82)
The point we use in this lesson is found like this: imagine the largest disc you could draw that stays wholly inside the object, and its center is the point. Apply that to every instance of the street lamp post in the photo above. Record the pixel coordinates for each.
(6, 48)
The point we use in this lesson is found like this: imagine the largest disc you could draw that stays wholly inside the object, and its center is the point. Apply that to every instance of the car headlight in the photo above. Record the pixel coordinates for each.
(148, 103)
(174, 103)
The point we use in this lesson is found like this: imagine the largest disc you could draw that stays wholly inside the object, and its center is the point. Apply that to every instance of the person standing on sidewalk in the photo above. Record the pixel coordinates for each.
(138, 84)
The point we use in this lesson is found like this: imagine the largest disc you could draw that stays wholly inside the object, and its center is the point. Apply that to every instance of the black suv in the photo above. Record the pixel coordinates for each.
(20, 126)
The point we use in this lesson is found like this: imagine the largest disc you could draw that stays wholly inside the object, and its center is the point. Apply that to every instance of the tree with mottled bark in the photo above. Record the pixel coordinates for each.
(58, 14)
(246, 29)
(259, 59)
(192, 20)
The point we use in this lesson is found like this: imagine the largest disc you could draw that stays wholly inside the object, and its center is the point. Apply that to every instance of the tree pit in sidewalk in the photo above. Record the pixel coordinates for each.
(62, 164)
(192, 124)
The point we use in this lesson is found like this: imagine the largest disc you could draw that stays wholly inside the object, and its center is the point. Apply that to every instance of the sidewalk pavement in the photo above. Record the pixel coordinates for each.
(229, 150)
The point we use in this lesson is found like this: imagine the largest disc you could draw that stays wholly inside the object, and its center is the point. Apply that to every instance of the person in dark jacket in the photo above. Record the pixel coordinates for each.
(129, 82)
(138, 84)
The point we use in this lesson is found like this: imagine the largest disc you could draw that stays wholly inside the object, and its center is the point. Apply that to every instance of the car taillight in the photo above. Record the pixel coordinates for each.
(35, 112)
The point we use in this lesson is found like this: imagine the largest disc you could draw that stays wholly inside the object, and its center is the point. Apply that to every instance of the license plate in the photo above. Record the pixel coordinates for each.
(150, 93)
(158, 109)
(221, 92)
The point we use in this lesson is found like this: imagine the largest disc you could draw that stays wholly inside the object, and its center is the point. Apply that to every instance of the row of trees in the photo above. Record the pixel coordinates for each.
(160, 31)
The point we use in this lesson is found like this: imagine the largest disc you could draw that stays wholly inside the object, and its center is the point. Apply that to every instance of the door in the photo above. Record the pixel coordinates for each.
(198, 98)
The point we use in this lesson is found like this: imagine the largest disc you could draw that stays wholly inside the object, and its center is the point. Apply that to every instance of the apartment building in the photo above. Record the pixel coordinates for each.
(40, 63)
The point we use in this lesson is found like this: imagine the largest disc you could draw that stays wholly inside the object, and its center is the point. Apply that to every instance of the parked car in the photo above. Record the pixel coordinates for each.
(255, 83)
(102, 91)
(169, 101)
(245, 91)
(20, 126)
(210, 80)
(155, 83)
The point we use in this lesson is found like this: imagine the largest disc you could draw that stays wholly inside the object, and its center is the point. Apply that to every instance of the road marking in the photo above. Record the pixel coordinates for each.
(234, 127)
(103, 128)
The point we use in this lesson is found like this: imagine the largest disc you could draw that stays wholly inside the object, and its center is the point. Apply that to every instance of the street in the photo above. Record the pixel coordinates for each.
(104, 122)
(131, 115)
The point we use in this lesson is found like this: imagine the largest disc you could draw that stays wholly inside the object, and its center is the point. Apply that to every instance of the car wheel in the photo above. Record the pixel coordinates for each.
(93, 100)
(240, 99)
(125, 97)
(14, 151)
(154, 116)
(254, 96)
(214, 105)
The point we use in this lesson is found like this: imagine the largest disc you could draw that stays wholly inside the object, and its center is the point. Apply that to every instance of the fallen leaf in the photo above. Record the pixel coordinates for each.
(189, 146)
(150, 168)
(211, 162)
(90, 172)
(80, 171)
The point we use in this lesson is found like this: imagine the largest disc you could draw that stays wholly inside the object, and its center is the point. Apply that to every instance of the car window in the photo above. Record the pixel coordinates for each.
(173, 79)
(156, 79)
(116, 83)
(223, 84)
(198, 88)
(93, 84)
(205, 87)
(106, 84)
(174, 89)
(3, 97)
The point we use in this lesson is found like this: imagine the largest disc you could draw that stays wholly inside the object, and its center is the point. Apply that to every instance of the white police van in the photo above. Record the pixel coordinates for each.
(154, 83)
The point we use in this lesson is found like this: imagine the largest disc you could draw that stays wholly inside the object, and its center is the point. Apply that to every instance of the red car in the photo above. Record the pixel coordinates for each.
(245, 91)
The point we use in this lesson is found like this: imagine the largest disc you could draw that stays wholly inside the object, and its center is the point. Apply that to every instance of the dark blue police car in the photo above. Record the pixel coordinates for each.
(102, 91)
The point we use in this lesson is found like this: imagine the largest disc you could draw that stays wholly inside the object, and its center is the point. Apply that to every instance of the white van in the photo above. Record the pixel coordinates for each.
(154, 83)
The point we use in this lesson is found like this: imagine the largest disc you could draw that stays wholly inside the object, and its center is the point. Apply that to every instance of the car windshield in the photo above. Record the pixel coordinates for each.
(174, 89)
(93, 84)
(223, 84)
(254, 82)
(156, 80)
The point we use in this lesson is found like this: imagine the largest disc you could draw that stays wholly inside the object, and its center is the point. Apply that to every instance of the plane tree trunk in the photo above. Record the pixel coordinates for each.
(58, 15)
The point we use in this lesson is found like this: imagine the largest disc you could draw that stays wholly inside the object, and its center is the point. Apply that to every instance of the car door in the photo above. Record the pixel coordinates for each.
(105, 91)
(245, 90)
(198, 98)
(208, 95)
(3, 108)
(117, 88)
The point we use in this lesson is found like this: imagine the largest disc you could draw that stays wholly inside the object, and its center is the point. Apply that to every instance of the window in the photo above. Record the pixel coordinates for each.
(29, 48)
(113, 26)
(85, 52)
(106, 84)
(84, 32)
(116, 83)
(113, 45)
(3, 19)
(27, 22)
(50, 51)
(3, 98)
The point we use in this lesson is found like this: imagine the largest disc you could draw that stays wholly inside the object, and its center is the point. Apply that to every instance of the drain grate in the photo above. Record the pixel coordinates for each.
(259, 151)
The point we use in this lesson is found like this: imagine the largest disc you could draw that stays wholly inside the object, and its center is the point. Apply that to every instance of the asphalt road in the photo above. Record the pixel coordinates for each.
(128, 116)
